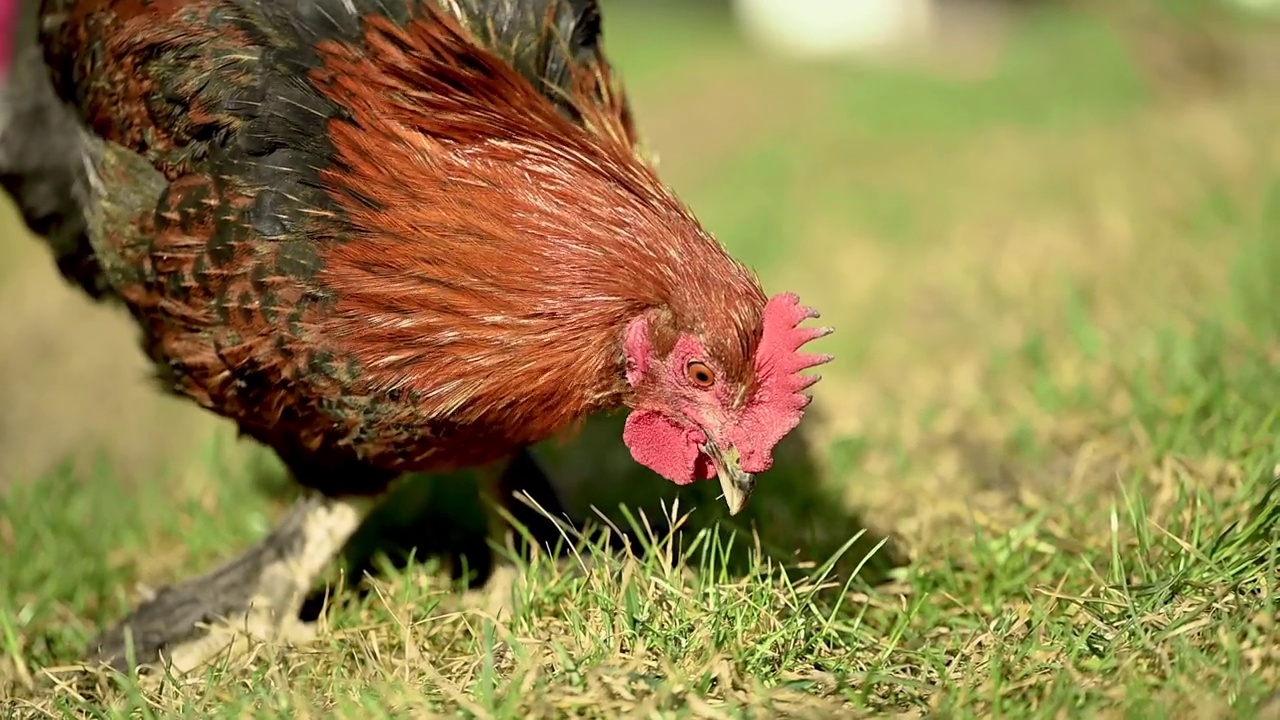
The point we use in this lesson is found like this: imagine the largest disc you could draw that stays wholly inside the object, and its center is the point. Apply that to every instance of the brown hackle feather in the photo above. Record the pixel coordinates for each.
(503, 257)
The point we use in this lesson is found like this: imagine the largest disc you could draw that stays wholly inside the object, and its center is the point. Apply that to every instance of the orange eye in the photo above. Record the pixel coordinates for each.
(699, 374)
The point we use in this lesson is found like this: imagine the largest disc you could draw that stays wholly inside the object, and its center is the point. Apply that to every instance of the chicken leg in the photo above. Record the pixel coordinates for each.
(258, 594)
(261, 593)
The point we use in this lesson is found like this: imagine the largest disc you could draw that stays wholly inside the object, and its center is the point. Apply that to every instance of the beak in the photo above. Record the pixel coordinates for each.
(734, 483)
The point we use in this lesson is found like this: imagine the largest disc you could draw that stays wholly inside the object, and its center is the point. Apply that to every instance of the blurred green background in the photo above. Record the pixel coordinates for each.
(1044, 234)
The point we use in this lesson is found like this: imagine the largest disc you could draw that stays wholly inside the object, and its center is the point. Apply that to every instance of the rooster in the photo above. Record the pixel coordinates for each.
(391, 236)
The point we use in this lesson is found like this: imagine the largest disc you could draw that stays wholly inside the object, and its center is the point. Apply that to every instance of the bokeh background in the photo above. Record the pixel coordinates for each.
(1046, 235)
(982, 197)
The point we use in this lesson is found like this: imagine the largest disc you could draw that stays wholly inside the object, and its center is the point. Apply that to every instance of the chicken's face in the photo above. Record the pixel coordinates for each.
(693, 420)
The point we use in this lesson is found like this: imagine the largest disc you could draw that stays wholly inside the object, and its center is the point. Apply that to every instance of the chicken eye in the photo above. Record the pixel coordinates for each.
(699, 374)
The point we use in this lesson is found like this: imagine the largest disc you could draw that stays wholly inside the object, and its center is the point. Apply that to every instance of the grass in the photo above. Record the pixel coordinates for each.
(1040, 480)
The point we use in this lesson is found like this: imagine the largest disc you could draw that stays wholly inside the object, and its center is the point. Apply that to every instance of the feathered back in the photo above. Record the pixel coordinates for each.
(206, 68)
(205, 84)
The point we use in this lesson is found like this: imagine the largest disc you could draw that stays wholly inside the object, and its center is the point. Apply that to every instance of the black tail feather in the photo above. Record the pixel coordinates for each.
(41, 159)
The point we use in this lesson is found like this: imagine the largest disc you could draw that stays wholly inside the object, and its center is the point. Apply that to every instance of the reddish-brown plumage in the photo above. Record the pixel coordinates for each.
(381, 241)
(528, 241)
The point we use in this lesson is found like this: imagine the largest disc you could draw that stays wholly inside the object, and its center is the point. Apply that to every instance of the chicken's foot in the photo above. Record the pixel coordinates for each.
(256, 596)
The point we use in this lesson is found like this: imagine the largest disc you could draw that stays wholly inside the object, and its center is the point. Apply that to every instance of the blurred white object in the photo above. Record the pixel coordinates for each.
(814, 28)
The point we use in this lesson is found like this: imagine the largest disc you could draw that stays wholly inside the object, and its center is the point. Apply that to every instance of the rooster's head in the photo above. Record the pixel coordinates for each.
(704, 406)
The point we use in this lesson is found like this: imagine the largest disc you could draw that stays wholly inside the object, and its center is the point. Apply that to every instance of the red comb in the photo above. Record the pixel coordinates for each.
(779, 400)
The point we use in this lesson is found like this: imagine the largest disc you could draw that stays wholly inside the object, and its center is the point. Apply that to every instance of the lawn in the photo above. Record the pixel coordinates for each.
(1039, 481)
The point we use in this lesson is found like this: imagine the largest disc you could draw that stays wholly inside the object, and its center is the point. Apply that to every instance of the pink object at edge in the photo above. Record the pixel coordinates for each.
(8, 28)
